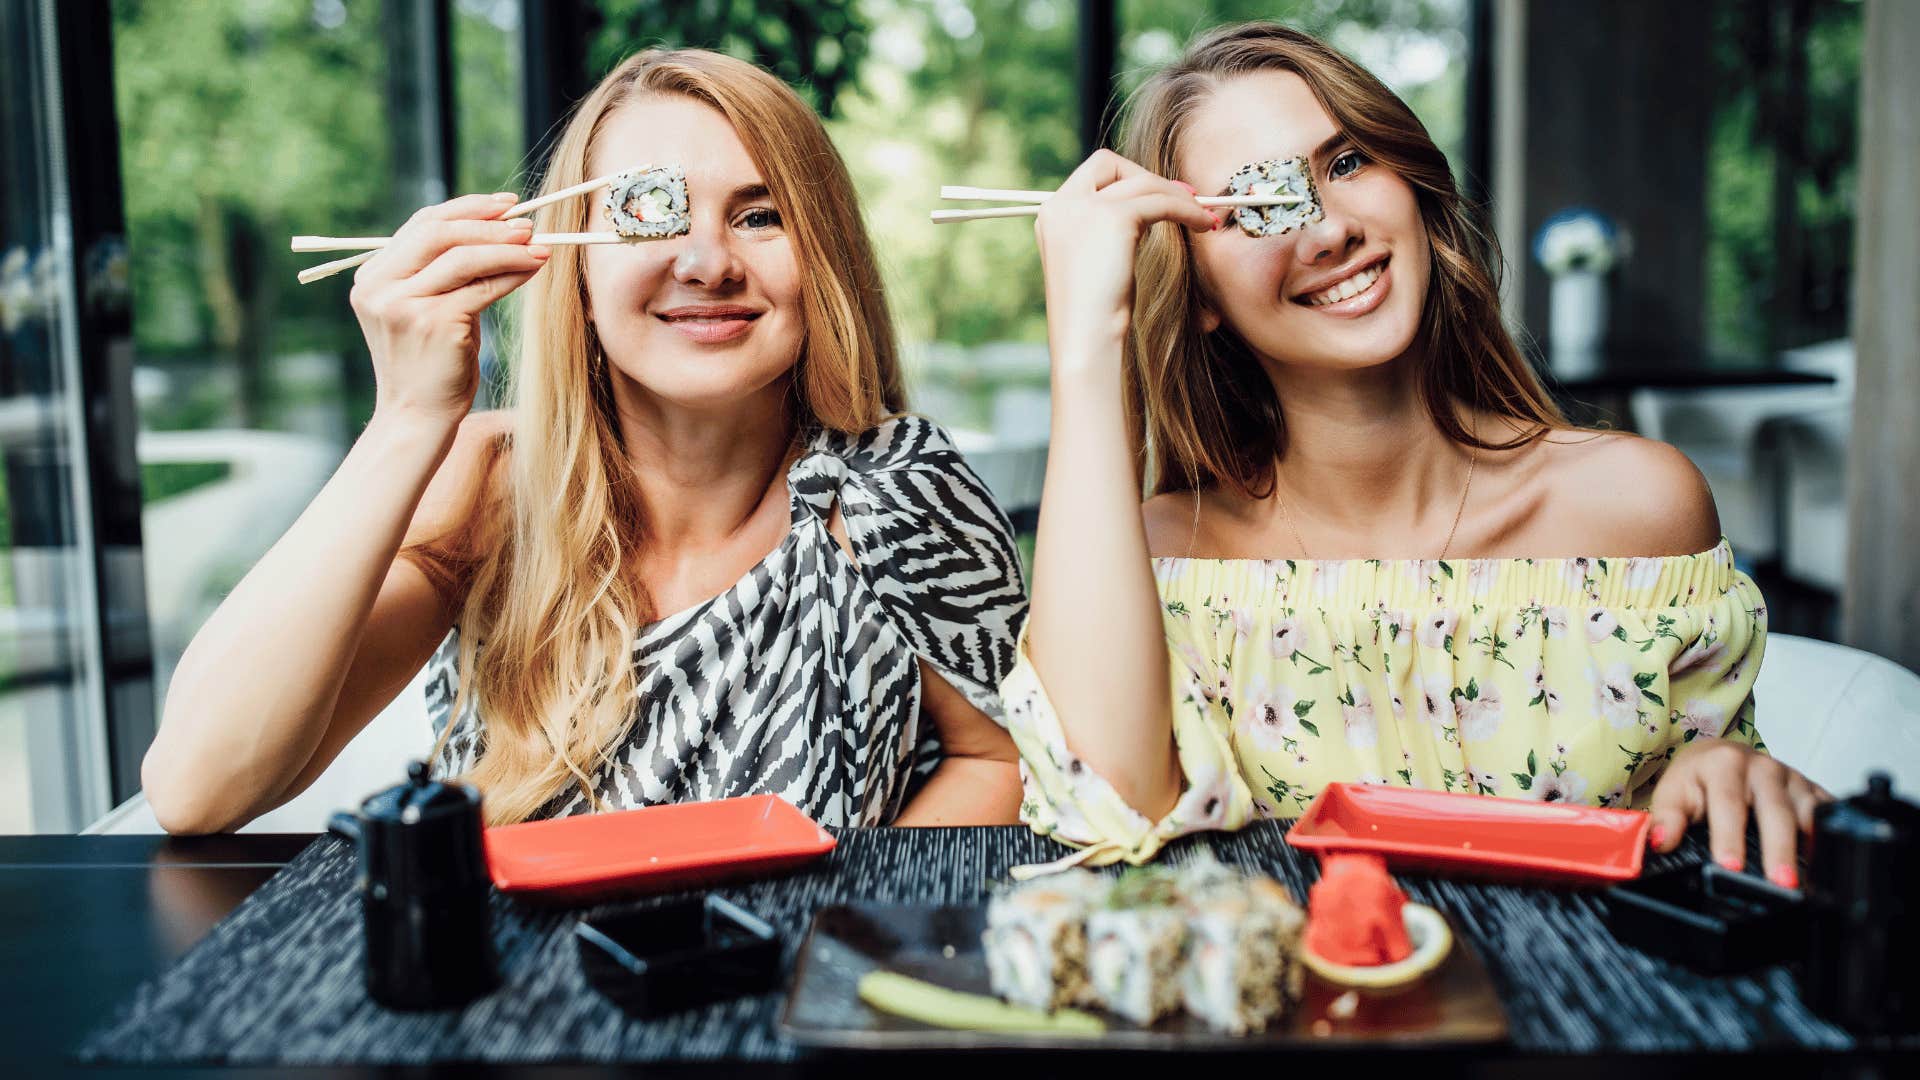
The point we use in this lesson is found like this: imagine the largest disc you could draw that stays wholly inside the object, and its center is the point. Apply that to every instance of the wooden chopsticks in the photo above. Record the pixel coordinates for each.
(1027, 203)
(372, 244)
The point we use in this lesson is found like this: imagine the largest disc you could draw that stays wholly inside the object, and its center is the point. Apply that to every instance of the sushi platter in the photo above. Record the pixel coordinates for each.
(1200, 958)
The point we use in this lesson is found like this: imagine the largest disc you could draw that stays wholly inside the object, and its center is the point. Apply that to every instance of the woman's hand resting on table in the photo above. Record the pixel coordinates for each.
(1721, 782)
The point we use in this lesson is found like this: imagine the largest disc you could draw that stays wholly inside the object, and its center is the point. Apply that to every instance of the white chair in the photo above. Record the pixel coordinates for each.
(1813, 512)
(1837, 714)
(375, 759)
(1730, 434)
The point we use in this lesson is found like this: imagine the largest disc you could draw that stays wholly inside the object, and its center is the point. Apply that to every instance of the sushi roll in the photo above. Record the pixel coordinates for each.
(1289, 176)
(649, 203)
(1135, 944)
(1242, 968)
(1036, 939)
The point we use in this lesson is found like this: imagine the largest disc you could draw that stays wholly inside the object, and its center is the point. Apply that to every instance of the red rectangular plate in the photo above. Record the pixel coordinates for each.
(591, 857)
(1449, 831)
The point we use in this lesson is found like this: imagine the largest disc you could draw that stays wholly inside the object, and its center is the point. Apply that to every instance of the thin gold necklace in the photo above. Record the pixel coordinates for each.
(1473, 459)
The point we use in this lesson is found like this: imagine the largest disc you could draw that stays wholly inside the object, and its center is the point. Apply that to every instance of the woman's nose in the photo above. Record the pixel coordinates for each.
(1327, 241)
(706, 256)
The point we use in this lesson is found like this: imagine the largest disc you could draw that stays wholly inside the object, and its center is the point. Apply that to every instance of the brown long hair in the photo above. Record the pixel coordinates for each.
(1200, 403)
(540, 570)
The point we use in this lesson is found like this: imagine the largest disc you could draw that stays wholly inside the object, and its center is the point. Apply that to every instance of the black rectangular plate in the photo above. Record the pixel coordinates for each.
(1455, 1005)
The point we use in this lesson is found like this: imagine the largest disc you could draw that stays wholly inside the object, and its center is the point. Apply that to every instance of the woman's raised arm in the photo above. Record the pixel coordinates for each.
(327, 626)
(1094, 633)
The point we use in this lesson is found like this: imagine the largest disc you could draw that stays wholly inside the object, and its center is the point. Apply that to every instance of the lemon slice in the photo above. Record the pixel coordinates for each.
(1431, 938)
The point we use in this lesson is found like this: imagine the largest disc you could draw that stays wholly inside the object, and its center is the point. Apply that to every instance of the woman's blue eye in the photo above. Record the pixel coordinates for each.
(760, 217)
(1346, 164)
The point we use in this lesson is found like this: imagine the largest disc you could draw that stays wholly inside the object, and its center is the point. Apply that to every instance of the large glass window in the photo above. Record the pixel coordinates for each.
(241, 125)
(1780, 174)
(1419, 48)
(54, 758)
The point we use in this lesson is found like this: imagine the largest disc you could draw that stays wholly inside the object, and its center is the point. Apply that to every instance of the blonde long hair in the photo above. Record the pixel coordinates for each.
(1201, 409)
(540, 569)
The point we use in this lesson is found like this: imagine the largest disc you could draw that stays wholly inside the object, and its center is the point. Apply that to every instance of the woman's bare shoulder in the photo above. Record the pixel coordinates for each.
(1206, 524)
(1173, 521)
(1615, 493)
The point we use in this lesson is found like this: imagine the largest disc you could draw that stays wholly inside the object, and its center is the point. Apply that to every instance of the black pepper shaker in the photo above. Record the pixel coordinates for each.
(424, 891)
(1863, 893)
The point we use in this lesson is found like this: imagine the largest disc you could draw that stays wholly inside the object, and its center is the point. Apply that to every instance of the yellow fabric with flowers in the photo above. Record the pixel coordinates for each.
(1557, 679)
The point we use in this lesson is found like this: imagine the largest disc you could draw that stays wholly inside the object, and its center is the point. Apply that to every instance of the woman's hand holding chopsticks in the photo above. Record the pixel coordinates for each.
(1095, 633)
(1088, 233)
(420, 297)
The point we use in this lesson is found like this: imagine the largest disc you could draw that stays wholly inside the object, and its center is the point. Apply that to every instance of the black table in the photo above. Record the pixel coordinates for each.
(1605, 397)
(84, 920)
(1627, 378)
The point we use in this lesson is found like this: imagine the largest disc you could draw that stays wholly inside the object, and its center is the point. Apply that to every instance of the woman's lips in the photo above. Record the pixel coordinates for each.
(1361, 302)
(710, 327)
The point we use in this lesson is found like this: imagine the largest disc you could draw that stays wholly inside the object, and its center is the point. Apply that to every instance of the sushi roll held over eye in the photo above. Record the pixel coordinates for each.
(1288, 176)
(649, 203)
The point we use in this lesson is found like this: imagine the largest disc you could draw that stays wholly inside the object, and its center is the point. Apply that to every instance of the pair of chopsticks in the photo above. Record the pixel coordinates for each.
(1028, 202)
(369, 245)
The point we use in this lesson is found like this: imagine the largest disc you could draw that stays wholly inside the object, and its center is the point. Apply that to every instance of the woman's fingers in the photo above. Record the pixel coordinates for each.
(416, 247)
(467, 206)
(1676, 804)
(1102, 168)
(1806, 796)
(1154, 198)
(1773, 809)
(1725, 779)
(476, 295)
(460, 266)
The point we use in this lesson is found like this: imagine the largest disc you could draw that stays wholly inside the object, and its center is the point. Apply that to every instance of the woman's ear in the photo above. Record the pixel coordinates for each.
(1209, 319)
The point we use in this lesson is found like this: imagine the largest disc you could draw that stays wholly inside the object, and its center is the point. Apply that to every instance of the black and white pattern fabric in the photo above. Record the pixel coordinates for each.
(801, 680)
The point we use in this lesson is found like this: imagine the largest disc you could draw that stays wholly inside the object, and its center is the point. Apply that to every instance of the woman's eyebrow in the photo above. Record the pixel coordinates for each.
(1327, 146)
(748, 193)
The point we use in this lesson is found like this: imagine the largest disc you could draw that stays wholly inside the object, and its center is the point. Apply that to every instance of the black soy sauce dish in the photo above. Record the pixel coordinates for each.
(666, 958)
(1710, 919)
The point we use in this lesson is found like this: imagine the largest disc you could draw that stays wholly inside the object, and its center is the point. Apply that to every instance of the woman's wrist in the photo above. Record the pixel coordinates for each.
(1091, 355)
(403, 426)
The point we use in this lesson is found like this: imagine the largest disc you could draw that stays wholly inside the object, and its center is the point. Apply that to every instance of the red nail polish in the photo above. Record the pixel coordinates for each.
(1658, 837)
(1785, 876)
(1733, 863)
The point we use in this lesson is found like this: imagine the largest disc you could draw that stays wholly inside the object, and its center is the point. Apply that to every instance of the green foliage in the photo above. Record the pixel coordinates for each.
(1784, 142)
(1417, 47)
(490, 135)
(242, 124)
(815, 45)
(984, 93)
(165, 479)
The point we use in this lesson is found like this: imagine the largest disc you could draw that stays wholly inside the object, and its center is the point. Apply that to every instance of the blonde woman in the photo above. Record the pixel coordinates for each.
(1374, 551)
(704, 556)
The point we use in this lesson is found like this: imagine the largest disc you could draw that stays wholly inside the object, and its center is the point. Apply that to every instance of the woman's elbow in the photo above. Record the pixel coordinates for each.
(180, 806)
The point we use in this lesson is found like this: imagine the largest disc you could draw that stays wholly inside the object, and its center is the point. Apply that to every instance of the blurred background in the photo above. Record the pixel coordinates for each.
(170, 398)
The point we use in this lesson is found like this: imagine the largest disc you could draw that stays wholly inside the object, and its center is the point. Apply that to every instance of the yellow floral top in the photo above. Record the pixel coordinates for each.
(1555, 679)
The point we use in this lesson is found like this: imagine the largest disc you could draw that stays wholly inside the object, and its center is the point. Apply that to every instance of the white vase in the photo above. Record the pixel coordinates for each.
(1576, 323)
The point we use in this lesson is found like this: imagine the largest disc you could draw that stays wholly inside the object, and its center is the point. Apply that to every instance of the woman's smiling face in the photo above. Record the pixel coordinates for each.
(709, 318)
(1345, 292)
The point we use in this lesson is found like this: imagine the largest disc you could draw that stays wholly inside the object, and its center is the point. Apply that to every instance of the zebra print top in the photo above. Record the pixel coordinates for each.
(801, 679)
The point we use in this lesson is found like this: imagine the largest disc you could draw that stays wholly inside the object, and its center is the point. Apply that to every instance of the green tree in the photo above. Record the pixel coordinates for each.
(241, 124)
(1780, 173)
(815, 45)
